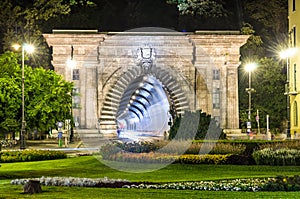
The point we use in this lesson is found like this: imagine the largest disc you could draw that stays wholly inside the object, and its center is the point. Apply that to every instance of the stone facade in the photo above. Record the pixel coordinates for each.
(293, 64)
(203, 66)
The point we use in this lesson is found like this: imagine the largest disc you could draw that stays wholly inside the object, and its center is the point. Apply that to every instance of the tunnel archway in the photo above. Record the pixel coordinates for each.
(142, 104)
(102, 58)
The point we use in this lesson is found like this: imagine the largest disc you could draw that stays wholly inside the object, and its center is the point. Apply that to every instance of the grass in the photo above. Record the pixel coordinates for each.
(77, 192)
(90, 167)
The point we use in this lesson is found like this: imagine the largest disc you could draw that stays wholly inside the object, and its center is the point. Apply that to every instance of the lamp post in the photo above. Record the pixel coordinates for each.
(71, 63)
(286, 54)
(28, 48)
(249, 68)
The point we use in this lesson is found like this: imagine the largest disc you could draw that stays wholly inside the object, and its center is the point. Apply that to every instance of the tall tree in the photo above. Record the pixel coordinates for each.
(21, 21)
(268, 81)
(47, 96)
(269, 19)
(209, 8)
(10, 92)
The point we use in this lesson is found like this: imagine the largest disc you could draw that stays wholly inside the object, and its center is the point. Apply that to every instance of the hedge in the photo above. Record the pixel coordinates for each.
(281, 157)
(30, 155)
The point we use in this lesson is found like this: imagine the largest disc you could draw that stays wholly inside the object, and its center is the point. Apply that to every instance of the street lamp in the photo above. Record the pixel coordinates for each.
(286, 54)
(28, 48)
(249, 68)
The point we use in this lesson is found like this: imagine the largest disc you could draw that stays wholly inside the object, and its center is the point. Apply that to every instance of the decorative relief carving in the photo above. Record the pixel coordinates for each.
(145, 57)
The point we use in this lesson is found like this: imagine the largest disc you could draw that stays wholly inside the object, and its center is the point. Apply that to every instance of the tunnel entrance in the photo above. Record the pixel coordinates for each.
(144, 110)
(190, 71)
(144, 103)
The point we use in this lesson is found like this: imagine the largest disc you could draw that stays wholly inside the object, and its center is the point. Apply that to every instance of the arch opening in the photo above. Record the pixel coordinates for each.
(146, 104)
(144, 109)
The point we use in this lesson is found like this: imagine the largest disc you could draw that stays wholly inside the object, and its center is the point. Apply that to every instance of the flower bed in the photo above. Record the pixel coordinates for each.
(225, 185)
(79, 182)
(268, 184)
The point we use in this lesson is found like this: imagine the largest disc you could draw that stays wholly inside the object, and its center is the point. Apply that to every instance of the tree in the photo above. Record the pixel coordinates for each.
(195, 125)
(47, 96)
(208, 8)
(21, 22)
(269, 19)
(10, 92)
(268, 80)
(268, 31)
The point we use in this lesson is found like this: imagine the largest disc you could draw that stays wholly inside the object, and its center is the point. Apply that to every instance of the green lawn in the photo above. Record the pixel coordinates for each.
(92, 168)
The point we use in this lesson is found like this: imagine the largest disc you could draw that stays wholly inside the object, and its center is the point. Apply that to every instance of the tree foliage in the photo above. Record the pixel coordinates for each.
(208, 8)
(47, 96)
(10, 93)
(21, 22)
(269, 19)
(195, 125)
(268, 80)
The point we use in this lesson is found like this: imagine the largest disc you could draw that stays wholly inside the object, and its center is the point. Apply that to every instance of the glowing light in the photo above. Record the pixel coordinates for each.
(16, 46)
(26, 47)
(29, 48)
(250, 67)
(71, 63)
(288, 53)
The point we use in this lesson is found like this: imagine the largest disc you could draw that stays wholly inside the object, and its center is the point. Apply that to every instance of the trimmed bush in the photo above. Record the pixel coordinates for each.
(283, 183)
(30, 155)
(207, 126)
(165, 147)
(280, 157)
(216, 148)
(167, 158)
(289, 144)
(202, 159)
(237, 159)
(253, 145)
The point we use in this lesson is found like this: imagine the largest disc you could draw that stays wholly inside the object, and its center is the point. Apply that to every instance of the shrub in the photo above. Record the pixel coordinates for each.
(207, 126)
(109, 149)
(237, 159)
(282, 157)
(202, 159)
(283, 183)
(167, 158)
(211, 147)
(151, 157)
(30, 155)
(289, 144)
(216, 148)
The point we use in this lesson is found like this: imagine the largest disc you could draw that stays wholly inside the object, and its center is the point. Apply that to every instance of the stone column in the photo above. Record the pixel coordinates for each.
(232, 98)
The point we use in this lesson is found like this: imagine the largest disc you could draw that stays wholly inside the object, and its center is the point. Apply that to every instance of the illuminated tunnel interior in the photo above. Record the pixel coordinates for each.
(144, 109)
(140, 105)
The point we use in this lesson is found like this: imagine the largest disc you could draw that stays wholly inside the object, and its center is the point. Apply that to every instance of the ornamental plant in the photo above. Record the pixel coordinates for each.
(30, 155)
(280, 157)
(283, 183)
